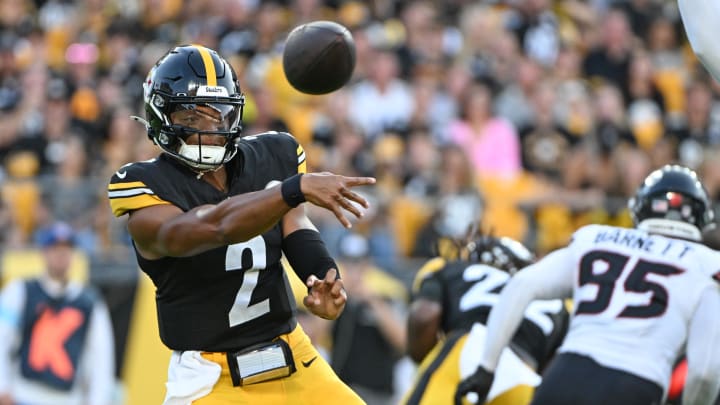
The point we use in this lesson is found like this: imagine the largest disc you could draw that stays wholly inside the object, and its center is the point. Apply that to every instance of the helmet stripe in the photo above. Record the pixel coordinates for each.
(209, 65)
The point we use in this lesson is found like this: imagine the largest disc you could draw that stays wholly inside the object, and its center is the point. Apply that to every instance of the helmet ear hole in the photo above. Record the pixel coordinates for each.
(158, 101)
(163, 139)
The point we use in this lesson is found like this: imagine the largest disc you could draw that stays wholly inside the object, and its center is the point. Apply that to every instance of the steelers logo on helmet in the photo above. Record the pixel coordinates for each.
(193, 107)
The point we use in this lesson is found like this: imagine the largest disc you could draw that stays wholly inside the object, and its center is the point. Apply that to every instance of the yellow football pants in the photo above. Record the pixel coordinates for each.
(316, 384)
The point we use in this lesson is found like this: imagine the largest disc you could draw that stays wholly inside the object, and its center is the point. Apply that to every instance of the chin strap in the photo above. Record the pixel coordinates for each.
(202, 173)
(141, 120)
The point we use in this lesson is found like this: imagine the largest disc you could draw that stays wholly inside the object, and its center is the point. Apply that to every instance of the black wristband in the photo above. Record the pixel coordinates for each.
(291, 193)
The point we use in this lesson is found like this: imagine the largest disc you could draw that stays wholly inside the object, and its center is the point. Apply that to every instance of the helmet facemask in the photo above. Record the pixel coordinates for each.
(197, 127)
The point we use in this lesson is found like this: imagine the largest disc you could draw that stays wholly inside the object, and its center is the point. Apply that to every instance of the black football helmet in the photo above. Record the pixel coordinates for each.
(188, 77)
(672, 201)
(502, 253)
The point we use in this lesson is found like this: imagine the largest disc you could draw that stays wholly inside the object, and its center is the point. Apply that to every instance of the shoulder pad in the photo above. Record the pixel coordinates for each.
(284, 144)
(131, 188)
(587, 232)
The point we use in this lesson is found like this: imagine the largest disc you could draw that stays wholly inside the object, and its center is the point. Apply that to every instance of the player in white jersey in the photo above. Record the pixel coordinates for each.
(642, 298)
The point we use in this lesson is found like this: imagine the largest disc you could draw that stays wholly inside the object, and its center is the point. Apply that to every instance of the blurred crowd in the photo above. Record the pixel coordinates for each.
(534, 116)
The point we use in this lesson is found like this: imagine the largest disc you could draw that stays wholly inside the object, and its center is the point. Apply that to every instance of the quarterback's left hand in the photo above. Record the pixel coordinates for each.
(479, 383)
(326, 298)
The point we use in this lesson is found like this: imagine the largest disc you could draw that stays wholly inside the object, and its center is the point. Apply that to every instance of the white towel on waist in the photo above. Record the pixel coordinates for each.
(190, 376)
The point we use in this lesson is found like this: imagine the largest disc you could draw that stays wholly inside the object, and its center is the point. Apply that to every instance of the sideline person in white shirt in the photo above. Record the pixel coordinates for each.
(57, 340)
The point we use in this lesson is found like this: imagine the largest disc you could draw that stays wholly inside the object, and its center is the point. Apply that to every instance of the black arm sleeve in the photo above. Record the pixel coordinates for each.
(307, 254)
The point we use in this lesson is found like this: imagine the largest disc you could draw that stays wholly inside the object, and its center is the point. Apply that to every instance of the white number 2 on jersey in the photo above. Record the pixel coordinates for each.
(241, 310)
(489, 278)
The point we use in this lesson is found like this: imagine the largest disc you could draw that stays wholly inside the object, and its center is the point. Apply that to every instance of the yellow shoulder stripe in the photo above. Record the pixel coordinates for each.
(122, 186)
(122, 205)
(302, 161)
(432, 266)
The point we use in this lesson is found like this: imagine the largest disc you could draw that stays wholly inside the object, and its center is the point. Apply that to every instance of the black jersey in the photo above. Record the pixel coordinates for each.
(232, 296)
(467, 292)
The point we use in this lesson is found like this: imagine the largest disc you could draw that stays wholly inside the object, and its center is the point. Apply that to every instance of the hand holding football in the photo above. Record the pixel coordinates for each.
(319, 57)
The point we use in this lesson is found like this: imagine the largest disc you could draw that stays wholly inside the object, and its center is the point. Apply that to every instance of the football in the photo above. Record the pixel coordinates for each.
(319, 57)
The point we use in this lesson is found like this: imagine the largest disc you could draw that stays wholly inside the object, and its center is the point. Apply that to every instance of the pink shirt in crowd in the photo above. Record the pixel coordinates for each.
(495, 151)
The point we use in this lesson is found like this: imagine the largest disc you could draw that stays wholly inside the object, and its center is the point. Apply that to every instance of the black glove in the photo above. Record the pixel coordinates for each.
(479, 383)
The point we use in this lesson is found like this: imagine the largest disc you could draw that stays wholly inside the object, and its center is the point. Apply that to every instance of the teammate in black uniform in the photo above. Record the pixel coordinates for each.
(452, 299)
(210, 219)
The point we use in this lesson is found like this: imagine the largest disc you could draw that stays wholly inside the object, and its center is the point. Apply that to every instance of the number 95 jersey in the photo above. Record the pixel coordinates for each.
(634, 296)
(233, 296)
